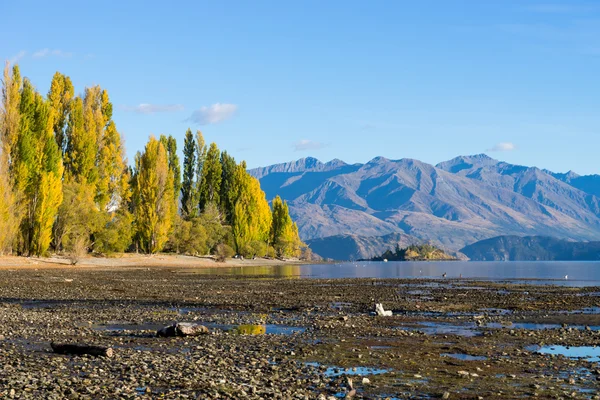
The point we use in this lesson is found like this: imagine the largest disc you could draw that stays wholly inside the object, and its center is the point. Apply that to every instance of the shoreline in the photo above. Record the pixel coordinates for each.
(125, 261)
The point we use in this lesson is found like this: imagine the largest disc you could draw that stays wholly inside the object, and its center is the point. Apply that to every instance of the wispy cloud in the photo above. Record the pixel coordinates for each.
(15, 59)
(305, 144)
(50, 52)
(145, 108)
(503, 146)
(214, 114)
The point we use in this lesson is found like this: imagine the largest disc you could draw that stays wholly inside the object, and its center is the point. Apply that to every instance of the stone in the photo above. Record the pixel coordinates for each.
(446, 395)
(182, 329)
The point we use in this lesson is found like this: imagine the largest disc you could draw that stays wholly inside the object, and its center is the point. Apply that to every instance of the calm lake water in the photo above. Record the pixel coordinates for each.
(567, 273)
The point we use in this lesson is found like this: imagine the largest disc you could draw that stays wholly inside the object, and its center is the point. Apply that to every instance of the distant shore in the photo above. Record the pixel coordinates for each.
(138, 260)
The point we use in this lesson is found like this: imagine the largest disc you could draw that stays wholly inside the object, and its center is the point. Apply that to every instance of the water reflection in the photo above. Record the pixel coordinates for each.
(531, 272)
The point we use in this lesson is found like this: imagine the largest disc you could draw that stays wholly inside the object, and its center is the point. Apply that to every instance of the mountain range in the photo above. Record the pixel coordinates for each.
(348, 211)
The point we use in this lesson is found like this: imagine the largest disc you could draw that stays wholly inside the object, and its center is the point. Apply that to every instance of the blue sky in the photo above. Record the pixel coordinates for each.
(273, 81)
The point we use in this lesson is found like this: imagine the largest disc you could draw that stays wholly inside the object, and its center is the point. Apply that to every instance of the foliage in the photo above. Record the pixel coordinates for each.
(284, 232)
(210, 183)
(115, 235)
(422, 252)
(153, 198)
(64, 180)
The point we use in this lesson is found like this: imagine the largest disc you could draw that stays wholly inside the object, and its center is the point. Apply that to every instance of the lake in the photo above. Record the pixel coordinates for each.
(563, 273)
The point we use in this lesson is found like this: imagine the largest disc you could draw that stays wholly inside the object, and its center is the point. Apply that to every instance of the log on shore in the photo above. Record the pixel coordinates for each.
(80, 349)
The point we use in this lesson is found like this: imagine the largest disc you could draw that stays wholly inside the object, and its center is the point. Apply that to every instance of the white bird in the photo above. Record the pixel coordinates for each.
(566, 276)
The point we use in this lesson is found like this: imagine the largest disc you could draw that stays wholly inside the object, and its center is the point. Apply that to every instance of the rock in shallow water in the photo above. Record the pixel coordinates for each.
(182, 329)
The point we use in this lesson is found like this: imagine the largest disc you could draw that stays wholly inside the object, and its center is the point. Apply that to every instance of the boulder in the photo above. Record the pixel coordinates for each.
(182, 329)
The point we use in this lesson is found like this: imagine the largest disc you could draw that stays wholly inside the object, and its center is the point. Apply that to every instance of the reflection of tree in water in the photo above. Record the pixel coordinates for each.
(287, 271)
(251, 329)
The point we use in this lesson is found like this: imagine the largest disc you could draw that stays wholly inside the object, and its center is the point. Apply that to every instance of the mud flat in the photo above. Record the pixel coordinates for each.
(284, 337)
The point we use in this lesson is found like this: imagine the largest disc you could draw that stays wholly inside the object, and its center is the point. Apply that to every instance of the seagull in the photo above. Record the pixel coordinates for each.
(444, 275)
(566, 276)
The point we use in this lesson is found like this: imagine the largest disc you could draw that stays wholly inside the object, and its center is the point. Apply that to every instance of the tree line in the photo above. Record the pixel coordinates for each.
(66, 186)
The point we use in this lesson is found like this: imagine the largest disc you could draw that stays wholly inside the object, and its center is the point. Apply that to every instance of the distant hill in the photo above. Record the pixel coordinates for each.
(452, 204)
(531, 248)
(415, 252)
(353, 247)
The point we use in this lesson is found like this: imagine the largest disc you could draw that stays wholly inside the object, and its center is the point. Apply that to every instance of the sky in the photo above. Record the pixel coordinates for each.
(275, 81)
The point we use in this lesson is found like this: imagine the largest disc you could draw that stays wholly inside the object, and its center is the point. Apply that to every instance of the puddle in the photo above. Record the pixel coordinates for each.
(419, 292)
(586, 310)
(251, 329)
(496, 311)
(380, 347)
(440, 328)
(537, 327)
(587, 353)
(333, 371)
(464, 357)
(340, 305)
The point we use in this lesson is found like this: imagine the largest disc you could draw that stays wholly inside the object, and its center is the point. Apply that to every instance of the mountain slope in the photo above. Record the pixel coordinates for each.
(531, 248)
(453, 204)
(354, 247)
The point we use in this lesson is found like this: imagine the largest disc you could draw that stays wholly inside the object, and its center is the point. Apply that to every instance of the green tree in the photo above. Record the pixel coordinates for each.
(39, 171)
(153, 197)
(188, 187)
(170, 144)
(210, 185)
(228, 166)
(59, 96)
(81, 148)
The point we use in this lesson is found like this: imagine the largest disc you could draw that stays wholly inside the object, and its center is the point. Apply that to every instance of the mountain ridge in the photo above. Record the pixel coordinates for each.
(451, 204)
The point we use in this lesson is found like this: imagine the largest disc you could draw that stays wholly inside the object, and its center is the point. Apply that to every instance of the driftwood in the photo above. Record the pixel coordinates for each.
(182, 329)
(80, 349)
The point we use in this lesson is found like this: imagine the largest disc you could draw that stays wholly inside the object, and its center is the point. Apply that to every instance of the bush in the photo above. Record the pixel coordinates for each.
(223, 252)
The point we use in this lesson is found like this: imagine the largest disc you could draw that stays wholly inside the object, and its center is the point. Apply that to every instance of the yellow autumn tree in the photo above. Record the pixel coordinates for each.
(38, 171)
(251, 216)
(284, 232)
(10, 212)
(154, 208)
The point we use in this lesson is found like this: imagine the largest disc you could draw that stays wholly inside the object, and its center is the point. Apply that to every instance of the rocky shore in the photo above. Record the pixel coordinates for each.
(278, 337)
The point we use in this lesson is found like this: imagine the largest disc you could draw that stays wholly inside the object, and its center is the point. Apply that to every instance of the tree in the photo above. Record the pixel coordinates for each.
(228, 166)
(210, 185)
(170, 145)
(251, 216)
(284, 232)
(39, 170)
(153, 197)
(188, 187)
(59, 96)
(10, 212)
(81, 148)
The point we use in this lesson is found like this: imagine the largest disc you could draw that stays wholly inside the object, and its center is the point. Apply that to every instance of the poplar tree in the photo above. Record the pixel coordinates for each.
(284, 232)
(188, 187)
(210, 184)
(228, 166)
(153, 197)
(59, 96)
(201, 150)
(251, 216)
(9, 125)
(39, 171)
(170, 145)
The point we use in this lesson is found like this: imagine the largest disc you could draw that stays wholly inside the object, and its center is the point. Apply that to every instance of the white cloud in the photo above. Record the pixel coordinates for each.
(49, 52)
(214, 114)
(503, 146)
(305, 144)
(145, 108)
(15, 59)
